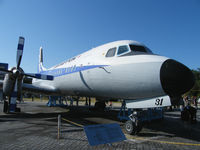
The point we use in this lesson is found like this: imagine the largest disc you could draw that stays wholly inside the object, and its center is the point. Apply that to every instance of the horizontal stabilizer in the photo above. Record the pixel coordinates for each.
(4, 68)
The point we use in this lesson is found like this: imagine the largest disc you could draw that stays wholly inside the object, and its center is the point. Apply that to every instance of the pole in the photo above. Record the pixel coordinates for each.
(59, 125)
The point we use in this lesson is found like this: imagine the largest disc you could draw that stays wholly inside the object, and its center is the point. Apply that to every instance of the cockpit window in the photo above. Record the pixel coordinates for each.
(133, 49)
(138, 48)
(111, 52)
(122, 49)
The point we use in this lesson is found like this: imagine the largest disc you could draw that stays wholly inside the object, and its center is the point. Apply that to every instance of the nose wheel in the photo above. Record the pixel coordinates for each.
(133, 126)
(130, 127)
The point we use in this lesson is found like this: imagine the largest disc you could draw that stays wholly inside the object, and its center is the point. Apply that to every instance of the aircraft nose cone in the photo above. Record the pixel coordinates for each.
(176, 78)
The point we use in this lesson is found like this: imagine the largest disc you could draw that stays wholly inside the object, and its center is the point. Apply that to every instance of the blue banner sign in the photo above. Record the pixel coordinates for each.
(104, 133)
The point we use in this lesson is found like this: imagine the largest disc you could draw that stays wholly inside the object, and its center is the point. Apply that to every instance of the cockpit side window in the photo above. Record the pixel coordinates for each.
(111, 52)
(137, 48)
(122, 50)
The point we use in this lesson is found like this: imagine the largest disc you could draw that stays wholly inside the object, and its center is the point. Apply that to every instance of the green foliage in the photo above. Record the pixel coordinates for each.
(195, 91)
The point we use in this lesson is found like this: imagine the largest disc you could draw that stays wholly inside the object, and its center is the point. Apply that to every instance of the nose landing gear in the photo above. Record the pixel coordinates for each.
(133, 126)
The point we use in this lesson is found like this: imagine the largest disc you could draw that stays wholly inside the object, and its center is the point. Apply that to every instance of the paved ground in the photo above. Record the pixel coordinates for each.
(36, 128)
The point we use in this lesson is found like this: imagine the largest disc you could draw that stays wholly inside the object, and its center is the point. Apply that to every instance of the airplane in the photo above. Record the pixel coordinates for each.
(117, 70)
(123, 69)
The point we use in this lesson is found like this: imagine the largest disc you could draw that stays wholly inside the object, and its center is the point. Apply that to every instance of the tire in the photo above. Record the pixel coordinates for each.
(130, 127)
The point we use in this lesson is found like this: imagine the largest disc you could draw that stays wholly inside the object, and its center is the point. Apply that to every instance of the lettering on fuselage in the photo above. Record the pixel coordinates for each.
(69, 70)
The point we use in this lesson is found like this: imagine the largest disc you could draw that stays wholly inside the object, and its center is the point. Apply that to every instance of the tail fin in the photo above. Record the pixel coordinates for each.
(40, 67)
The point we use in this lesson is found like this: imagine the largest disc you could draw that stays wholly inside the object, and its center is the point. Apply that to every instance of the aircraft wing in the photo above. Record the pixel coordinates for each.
(39, 89)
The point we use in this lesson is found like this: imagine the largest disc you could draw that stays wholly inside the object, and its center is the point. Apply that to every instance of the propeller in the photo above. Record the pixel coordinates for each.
(13, 79)
(20, 48)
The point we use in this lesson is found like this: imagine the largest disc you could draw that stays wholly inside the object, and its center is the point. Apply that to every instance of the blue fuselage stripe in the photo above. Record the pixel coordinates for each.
(64, 71)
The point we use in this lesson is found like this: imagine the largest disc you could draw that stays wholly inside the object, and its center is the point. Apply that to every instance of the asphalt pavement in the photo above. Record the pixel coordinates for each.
(36, 128)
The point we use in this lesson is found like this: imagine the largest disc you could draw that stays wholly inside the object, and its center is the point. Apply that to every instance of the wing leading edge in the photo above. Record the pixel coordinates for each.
(36, 89)
(39, 89)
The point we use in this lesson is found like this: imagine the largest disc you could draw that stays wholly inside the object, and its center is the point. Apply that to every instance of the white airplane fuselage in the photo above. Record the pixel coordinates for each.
(92, 74)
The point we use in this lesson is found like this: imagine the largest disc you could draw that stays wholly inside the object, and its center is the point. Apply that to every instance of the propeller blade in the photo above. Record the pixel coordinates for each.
(20, 51)
(40, 76)
(13, 98)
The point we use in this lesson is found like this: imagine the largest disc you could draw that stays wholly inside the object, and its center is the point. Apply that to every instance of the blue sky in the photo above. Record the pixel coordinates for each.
(66, 28)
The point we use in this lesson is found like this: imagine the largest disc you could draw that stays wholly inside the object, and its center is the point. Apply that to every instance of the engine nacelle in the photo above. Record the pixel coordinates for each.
(8, 83)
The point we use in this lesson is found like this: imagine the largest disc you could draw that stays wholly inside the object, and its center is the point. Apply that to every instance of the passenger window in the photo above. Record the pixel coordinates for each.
(122, 49)
(111, 52)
